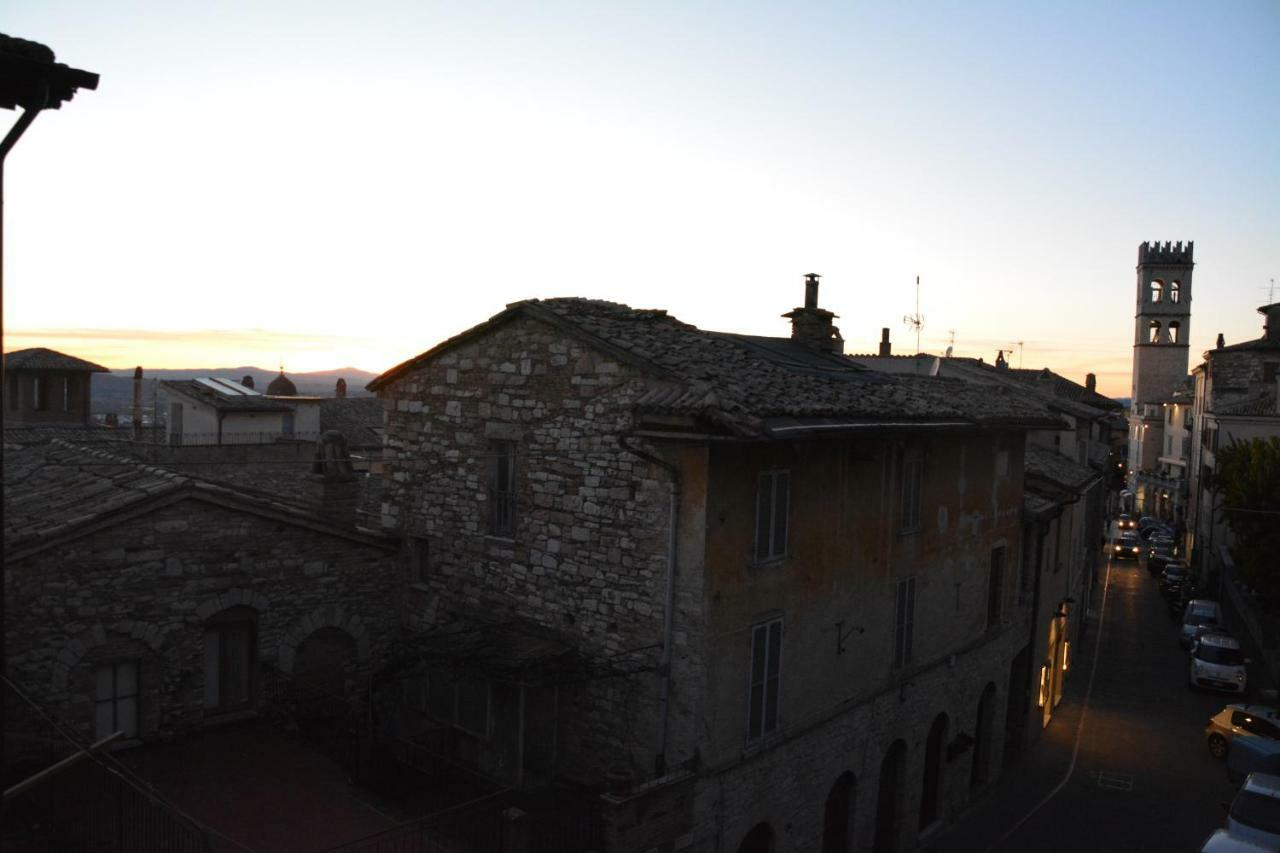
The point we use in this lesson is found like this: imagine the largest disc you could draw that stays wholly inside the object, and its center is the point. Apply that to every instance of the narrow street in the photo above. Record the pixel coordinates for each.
(1143, 778)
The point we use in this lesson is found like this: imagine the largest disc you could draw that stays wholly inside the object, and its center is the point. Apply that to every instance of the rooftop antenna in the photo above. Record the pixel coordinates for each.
(916, 320)
(951, 342)
(1018, 344)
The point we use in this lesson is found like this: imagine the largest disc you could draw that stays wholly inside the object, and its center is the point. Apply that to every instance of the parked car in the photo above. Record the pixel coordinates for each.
(1223, 841)
(1147, 522)
(1218, 664)
(1172, 578)
(1126, 547)
(1126, 522)
(1241, 721)
(1254, 815)
(1157, 558)
(1252, 755)
(1201, 630)
(1198, 612)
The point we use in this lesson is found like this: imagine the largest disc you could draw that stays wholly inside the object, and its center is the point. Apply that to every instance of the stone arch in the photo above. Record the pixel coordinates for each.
(229, 598)
(932, 784)
(1157, 290)
(1175, 331)
(91, 638)
(1153, 332)
(758, 840)
(837, 815)
(329, 616)
(983, 740)
(890, 798)
(1175, 291)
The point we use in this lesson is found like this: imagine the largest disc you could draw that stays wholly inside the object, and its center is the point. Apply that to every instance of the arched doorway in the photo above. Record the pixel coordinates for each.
(889, 798)
(980, 770)
(837, 816)
(931, 793)
(758, 840)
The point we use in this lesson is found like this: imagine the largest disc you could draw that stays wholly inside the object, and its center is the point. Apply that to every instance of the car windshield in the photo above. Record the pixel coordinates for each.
(1219, 655)
(1257, 811)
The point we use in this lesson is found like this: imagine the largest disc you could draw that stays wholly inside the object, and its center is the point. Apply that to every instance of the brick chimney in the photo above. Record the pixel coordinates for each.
(1222, 342)
(811, 325)
(340, 390)
(332, 487)
(1090, 382)
(886, 348)
(1271, 330)
(247, 382)
(137, 403)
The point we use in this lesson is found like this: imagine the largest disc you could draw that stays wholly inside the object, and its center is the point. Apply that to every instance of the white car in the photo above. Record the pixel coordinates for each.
(1254, 815)
(1217, 663)
(1199, 611)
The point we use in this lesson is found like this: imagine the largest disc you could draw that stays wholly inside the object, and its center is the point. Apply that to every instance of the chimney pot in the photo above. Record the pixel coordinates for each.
(811, 289)
(1221, 341)
(1090, 382)
(137, 403)
(886, 348)
(340, 390)
(247, 382)
(1271, 329)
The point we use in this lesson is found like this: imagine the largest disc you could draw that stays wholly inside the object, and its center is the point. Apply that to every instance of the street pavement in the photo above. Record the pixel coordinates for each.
(1142, 777)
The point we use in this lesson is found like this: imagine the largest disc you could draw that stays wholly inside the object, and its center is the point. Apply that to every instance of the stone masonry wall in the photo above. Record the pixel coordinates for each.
(143, 588)
(588, 556)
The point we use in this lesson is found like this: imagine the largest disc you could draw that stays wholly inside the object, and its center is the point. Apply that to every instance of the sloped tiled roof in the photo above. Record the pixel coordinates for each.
(1061, 386)
(739, 382)
(1048, 464)
(1260, 405)
(223, 402)
(54, 487)
(39, 358)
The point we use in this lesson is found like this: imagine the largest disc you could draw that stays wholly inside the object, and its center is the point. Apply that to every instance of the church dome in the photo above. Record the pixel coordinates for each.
(281, 386)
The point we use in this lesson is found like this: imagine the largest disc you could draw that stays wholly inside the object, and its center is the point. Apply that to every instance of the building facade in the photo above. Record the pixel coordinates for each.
(43, 387)
(767, 598)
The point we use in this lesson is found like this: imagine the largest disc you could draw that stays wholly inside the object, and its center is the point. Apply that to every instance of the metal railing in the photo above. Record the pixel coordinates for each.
(95, 804)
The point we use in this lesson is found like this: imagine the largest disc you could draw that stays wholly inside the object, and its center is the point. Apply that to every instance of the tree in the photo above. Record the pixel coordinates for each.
(1248, 478)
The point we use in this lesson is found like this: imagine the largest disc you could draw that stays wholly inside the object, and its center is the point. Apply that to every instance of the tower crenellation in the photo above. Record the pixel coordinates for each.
(1168, 252)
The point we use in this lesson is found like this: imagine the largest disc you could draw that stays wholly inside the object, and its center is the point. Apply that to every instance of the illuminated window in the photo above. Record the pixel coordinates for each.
(1157, 290)
(1175, 329)
(1175, 294)
(1153, 332)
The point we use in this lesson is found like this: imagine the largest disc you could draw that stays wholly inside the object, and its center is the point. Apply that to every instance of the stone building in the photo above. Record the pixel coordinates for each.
(156, 603)
(1162, 331)
(43, 387)
(767, 597)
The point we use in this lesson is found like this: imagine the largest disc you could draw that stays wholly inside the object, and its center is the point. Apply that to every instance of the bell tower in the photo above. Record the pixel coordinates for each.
(1162, 322)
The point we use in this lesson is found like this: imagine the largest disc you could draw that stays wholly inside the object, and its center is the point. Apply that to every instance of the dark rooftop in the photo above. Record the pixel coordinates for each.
(359, 419)
(1049, 465)
(223, 402)
(39, 358)
(738, 382)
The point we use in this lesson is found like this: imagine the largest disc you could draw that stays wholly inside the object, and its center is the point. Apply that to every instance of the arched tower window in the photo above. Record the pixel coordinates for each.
(1153, 332)
(1157, 290)
(1174, 292)
(1175, 329)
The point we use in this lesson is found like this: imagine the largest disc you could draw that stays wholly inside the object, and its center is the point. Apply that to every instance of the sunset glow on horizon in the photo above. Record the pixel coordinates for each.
(323, 186)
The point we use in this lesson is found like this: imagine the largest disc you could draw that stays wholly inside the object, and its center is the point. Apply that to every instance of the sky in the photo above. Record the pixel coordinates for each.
(331, 184)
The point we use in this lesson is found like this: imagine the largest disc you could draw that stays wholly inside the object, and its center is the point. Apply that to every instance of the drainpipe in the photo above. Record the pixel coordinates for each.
(669, 603)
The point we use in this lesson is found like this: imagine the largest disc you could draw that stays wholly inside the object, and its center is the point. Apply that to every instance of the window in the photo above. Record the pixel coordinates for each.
(904, 622)
(116, 699)
(912, 471)
(773, 498)
(766, 654)
(1157, 290)
(420, 559)
(1175, 292)
(1153, 332)
(1175, 328)
(230, 641)
(995, 589)
(502, 495)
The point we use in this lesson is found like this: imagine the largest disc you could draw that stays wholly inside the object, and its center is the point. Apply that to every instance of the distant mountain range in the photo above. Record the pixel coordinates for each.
(113, 392)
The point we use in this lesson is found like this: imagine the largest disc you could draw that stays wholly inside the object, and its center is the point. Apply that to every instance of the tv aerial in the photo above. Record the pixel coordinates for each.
(916, 320)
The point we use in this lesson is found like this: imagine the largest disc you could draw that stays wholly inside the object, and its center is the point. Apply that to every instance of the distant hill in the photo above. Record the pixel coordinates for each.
(113, 392)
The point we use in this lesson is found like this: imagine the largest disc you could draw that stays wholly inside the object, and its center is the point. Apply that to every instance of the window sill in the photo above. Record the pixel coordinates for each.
(760, 744)
(495, 539)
